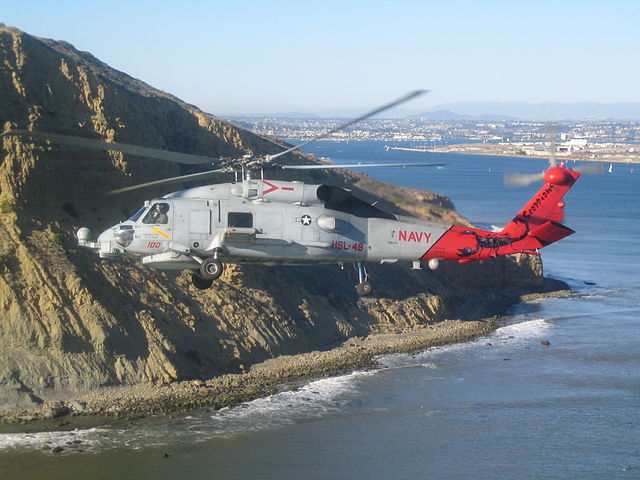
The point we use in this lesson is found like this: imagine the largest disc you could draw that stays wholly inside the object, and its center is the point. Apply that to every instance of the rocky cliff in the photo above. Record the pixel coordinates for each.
(70, 323)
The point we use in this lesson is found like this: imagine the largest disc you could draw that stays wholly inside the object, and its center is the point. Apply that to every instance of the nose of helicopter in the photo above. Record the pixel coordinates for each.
(110, 246)
(106, 236)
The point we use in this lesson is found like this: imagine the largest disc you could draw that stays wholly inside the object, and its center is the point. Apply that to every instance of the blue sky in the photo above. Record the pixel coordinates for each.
(281, 56)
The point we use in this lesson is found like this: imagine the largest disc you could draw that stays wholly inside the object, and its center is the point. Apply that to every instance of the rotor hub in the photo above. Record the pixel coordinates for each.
(557, 176)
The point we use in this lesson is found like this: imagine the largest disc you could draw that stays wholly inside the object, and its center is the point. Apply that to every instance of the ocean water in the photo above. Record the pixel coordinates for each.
(501, 407)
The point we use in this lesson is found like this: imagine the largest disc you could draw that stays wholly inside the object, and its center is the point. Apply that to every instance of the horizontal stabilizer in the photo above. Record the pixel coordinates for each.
(543, 235)
(550, 232)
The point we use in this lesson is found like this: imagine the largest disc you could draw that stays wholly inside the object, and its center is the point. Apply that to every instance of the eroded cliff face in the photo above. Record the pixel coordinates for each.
(70, 322)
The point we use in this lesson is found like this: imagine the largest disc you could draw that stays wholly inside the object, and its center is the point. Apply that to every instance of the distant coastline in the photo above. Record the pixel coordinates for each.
(620, 153)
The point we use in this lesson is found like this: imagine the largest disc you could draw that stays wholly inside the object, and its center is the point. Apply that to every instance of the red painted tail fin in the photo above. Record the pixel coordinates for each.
(546, 205)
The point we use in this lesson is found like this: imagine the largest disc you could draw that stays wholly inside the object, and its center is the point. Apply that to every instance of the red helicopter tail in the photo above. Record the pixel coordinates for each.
(534, 227)
(547, 204)
(537, 223)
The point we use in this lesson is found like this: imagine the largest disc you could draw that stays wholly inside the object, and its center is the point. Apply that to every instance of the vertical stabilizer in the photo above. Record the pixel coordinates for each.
(546, 205)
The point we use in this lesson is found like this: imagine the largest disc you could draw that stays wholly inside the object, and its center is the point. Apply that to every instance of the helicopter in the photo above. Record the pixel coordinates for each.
(257, 220)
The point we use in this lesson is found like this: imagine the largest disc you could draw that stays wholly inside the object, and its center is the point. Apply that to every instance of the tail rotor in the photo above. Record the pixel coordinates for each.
(524, 179)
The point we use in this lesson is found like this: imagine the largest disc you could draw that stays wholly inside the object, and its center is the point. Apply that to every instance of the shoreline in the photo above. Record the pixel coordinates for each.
(124, 404)
(469, 149)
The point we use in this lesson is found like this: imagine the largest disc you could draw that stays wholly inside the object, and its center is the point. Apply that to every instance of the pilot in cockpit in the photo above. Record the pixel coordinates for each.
(158, 214)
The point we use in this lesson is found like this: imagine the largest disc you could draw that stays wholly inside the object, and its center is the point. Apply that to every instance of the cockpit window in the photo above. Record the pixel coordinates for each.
(158, 214)
(136, 216)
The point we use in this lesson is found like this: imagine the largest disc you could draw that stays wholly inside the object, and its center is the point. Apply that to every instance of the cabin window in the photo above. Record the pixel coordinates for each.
(158, 214)
(240, 219)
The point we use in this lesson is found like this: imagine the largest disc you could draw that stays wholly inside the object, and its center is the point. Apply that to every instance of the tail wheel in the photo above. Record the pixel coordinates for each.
(364, 288)
(211, 268)
(199, 282)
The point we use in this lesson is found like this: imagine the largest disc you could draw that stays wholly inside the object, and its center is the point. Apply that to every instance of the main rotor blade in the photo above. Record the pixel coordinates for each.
(361, 165)
(181, 178)
(94, 144)
(397, 102)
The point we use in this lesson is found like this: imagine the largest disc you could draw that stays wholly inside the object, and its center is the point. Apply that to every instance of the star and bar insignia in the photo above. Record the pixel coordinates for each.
(305, 220)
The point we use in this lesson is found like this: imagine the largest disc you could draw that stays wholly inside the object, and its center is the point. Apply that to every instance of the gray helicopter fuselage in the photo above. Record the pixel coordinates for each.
(265, 221)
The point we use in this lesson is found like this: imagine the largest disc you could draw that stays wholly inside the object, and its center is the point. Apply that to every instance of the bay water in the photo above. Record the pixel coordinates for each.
(504, 406)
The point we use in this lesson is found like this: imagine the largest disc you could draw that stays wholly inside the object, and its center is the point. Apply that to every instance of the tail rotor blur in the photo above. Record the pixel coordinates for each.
(551, 138)
(524, 179)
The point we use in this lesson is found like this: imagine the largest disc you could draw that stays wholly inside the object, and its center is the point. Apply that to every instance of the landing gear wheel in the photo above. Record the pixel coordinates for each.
(211, 268)
(365, 288)
(199, 282)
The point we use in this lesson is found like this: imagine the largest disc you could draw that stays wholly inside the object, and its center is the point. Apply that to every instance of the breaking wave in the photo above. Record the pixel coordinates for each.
(313, 400)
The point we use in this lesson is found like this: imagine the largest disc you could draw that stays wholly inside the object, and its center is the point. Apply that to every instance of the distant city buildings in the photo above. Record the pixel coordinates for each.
(587, 140)
(570, 136)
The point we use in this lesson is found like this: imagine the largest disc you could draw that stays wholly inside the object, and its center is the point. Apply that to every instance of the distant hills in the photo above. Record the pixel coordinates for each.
(491, 111)
(274, 115)
(449, 115)
(535, 111)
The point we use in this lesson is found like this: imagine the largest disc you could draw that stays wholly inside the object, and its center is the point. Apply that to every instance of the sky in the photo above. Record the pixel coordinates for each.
(251, 56)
